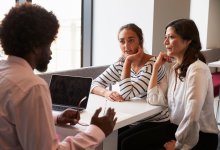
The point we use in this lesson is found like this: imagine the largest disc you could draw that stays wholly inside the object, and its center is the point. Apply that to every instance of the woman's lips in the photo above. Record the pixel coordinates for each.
(169, 48)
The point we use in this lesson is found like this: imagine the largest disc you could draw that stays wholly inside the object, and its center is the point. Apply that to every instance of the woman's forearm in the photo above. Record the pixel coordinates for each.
(153, 79)
(126, 71)
(99, 91)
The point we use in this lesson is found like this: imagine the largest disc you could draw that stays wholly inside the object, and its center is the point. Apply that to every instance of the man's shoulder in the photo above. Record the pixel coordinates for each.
(34, 80)
(25, 80)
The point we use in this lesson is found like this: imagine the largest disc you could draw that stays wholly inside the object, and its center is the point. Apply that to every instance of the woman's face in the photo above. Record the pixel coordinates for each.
(174, 44)
(129, 42)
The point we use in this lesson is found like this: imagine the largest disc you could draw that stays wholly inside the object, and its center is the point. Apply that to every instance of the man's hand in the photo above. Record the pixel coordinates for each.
(68, 116)
(107, 122)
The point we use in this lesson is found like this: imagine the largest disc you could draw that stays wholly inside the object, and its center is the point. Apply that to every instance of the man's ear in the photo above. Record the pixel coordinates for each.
(36, 51)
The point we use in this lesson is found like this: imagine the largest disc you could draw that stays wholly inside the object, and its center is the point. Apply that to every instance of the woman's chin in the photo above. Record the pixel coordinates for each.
(169, 53)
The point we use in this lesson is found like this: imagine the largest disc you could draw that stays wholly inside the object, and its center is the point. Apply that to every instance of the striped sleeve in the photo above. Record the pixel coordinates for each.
(110, 76)
(134, 86)
(137, 84)
(161, 73)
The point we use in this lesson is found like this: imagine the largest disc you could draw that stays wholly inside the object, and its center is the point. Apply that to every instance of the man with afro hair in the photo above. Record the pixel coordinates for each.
(26, 120)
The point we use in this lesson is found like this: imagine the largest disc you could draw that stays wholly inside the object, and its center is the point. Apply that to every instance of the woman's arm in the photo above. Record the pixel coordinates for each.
(137, 85)
(107, 78)
(98, 90)
(126, 71)
(161, 59)
(157, 94)
(134, 84)
(157, 91)
(197, 79)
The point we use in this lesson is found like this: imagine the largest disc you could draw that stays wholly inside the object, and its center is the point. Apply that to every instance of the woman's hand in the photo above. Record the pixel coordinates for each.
(113, 96)
(136, 55)
(161, 59)
(170, 145)
(129, 60)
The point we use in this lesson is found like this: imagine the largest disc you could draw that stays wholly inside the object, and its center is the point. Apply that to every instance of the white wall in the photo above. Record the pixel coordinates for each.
(200, 16)
(207, 18)
(164, 12)
(152, 16)
(213, 35)
(109, 16)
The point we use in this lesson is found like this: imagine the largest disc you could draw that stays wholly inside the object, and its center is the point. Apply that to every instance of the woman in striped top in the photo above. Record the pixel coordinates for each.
(132, 71)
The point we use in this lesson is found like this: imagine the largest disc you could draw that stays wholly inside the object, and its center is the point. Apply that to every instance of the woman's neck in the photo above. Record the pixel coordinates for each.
(139, 63)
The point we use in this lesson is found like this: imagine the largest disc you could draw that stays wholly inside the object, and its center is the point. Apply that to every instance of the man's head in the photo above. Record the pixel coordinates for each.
(27, 31)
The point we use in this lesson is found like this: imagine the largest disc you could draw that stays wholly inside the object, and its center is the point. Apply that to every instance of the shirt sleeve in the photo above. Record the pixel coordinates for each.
(54, 117)
(109, 77)
(35, 125)
(157, 95)
(187, 133)
(89, 139)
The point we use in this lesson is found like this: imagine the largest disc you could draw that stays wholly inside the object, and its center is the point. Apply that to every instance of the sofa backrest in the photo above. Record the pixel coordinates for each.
(92, 72)
(211, 54)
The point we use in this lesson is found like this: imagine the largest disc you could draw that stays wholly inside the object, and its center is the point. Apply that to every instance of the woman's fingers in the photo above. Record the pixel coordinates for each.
(115, 96)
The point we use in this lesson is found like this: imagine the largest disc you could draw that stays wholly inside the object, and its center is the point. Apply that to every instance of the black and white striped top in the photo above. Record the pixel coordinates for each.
(135, 86)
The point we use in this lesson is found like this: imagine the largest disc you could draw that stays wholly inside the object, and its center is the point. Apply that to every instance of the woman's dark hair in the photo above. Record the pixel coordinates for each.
(136, 29)
(33, 27)
(188, 30)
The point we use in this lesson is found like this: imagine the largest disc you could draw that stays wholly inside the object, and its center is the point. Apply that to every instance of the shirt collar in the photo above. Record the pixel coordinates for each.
(19, 61)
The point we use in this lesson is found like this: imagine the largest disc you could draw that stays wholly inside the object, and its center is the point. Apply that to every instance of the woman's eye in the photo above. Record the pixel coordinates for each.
(121, 42)
(130, 40)
(169, 37)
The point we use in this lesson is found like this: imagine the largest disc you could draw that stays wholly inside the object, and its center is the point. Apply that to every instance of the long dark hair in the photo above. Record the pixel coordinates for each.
(188, 30)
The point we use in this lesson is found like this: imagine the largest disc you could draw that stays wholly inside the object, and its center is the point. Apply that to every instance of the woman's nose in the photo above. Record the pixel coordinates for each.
(126, 45)
(165, 42)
